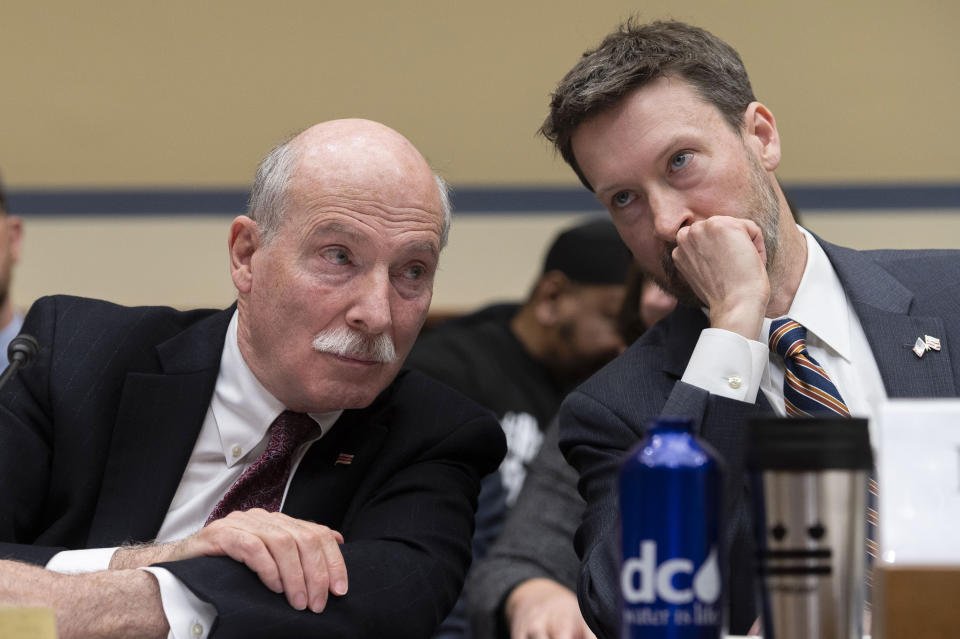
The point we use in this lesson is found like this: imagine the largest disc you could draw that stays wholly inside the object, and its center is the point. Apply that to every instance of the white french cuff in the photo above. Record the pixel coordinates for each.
(727, 364)
(188, 616)
(76, 562)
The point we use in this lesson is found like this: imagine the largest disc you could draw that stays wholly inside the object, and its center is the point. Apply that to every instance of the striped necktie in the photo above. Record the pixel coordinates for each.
(807, 391)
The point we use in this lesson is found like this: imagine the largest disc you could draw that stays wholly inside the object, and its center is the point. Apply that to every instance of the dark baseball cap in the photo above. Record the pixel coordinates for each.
(590, 253)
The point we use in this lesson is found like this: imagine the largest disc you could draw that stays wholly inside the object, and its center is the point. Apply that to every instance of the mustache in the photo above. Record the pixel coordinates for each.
(347, 342)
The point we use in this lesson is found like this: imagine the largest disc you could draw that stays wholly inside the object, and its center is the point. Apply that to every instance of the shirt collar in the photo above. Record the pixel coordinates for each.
(820, 303)
(242, 408)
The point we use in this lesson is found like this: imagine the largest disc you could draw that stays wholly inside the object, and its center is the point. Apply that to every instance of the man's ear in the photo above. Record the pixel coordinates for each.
(547, 296)
(243, 242)
(761, 129)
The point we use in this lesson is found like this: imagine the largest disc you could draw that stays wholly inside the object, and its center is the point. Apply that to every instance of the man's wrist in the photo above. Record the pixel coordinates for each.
(109, 603)
(741, 319)
(139, 556)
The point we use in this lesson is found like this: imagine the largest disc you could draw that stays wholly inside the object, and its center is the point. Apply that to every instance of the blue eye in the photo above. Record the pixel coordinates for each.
(623, 198)
(414, 272)
(680, 160)
(336, 255)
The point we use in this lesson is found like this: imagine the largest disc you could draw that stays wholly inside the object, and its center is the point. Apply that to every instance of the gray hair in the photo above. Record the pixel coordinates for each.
(268, 196)
(635, 55)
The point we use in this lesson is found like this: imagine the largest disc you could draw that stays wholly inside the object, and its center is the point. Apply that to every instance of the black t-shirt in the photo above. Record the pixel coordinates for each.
(480, 356)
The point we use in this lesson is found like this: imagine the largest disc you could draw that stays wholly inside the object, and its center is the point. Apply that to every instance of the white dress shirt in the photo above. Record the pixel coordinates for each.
(232, 437)
(730, 365)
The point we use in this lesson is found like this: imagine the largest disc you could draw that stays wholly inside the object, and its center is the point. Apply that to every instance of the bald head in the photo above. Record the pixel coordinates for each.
(360, 157)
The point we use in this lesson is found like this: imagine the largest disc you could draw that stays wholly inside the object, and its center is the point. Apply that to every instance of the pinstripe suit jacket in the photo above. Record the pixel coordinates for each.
(94, 437)
(897, 295)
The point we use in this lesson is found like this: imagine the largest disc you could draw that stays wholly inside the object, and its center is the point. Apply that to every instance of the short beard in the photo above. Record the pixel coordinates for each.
(763, 208)
(346, 342)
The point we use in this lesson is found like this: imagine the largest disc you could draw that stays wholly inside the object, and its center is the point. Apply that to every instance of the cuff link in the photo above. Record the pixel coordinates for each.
(734, 381)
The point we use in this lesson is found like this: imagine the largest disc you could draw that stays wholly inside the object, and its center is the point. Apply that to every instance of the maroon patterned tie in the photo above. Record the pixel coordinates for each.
(261, 485)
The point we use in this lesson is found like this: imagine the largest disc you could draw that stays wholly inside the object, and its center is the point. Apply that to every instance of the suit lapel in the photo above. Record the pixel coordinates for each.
(883, 306)
(157, 424)
(327, 480)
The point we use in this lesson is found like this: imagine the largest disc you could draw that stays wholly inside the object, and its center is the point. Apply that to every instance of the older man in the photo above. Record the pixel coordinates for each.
(192, 429)
(661, 123)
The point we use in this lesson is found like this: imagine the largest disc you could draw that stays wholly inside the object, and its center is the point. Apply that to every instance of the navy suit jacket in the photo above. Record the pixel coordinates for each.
(897, 295)
(95, 435)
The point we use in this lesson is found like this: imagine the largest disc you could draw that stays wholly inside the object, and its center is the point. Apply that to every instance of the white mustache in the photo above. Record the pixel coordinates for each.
(347, 342)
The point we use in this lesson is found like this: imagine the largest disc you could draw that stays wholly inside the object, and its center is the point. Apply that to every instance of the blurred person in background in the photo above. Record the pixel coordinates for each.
(521, 359)
(11, 234)
(526, 586)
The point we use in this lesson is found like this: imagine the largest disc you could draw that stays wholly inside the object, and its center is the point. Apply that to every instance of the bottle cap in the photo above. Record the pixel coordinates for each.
(671, 423)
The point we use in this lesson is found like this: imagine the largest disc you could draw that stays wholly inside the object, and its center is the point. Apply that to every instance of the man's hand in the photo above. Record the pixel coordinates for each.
(543, 609)
(723, 260)
(295, 557)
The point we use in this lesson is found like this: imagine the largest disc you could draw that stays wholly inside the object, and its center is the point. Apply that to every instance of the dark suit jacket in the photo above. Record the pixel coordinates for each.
(897, 295)
(94, 437)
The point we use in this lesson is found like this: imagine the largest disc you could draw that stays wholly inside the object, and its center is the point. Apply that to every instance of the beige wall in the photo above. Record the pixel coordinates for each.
(184, 263)
(115, 94)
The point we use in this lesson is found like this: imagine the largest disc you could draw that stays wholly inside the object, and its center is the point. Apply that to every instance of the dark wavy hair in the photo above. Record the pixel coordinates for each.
(635, 55)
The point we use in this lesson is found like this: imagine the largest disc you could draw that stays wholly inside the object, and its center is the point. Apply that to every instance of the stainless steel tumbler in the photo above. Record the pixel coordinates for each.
(809, 484)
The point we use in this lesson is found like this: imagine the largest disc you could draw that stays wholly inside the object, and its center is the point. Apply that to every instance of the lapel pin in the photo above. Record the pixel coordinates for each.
(919, 347)
(924, 344)
(344, 459)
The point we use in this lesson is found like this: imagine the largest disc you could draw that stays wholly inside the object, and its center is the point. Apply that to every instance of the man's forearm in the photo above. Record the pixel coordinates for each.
(115, 603)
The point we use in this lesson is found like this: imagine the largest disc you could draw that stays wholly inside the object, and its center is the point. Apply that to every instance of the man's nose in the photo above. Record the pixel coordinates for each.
(670, 214)
(369, 311)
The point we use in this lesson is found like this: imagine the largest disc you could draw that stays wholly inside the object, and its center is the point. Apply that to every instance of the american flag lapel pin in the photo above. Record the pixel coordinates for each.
(924, 344)
(344, 459)
(919, 347)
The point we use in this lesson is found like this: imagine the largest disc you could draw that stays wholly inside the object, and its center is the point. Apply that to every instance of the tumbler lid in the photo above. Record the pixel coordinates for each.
(809, 443)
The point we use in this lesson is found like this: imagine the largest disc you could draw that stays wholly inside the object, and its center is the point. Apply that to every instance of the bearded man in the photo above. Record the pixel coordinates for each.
(661, 123)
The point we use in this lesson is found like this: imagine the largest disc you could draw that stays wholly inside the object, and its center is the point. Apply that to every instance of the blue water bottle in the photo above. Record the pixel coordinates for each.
(670, 500)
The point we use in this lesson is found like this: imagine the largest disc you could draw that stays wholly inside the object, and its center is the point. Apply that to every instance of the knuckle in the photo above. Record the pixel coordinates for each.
(316, 535)
(248, 544)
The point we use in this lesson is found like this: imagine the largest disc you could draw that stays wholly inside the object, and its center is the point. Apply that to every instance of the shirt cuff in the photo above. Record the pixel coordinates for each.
(727, 364)
(188, 616)
(75, 562)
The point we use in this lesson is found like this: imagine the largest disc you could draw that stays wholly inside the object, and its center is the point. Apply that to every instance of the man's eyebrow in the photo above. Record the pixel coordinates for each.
(336, 227)
(424, 246)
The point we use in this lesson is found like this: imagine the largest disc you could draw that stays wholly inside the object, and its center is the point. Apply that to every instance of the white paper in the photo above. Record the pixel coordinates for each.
(918, 469)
